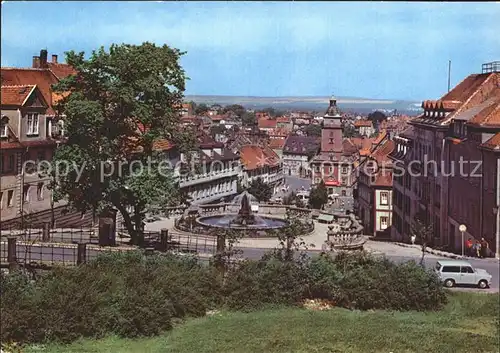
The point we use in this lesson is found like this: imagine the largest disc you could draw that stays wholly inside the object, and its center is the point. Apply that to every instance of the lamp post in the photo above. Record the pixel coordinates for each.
(462, 228)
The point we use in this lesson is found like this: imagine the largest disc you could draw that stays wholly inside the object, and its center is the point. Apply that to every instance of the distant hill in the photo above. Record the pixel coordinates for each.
(353, 104)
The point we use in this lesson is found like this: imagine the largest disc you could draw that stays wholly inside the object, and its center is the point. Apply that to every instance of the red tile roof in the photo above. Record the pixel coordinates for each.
(16, 95)
(277, 143)
(493, 143)
(265, 123)
(363, 123)
(61, 70)
(283, 119)
(42, 78)
(466, 88)
(488, 116)
(253, 157)
(381, 153)
(383, 178)
(162, 145)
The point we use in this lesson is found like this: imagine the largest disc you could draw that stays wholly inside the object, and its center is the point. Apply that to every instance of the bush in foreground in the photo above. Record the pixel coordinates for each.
(124, 294)
(131, 295)
(362, 281)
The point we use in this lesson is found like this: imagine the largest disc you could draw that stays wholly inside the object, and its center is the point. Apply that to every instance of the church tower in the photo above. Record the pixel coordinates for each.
(331, 132)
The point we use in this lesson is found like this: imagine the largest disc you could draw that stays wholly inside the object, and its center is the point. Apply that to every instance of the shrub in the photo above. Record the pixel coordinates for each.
(255, 284)
(324, 279)
(124, 294)
(368, 282)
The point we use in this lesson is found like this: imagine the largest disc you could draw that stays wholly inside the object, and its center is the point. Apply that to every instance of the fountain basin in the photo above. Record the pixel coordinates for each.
(226, 221)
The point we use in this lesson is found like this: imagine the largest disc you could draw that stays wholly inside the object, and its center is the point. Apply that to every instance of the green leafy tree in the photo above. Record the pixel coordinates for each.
(237, 109)
(262, 191)
(239, 187)
(318, 196)
(313, 130)
(272, 112)
(349, 131)
(115, 107)
(248, 119)
(217, 130)
(201, 109)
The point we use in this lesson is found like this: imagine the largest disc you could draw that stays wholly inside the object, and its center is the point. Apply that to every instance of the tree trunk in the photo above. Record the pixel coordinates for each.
(424, 245)
(130, 224)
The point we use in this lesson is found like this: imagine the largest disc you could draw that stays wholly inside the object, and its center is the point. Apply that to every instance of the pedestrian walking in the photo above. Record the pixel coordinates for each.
(484, 248)
(468, 247)
(478, 249)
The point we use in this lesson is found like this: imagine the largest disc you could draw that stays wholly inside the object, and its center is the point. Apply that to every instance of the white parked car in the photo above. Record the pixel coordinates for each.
(454, 272)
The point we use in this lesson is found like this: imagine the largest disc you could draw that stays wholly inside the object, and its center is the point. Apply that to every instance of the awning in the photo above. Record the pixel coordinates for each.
(325, 217)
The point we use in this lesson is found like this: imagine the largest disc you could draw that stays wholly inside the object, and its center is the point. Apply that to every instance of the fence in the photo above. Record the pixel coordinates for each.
(49, 247)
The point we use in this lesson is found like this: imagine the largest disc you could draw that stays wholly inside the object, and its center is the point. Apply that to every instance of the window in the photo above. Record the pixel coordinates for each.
(451, 269)
(4, 126)
(39, 191)
(467, 269)
(33, 124)
(26, 193)
(384, 198)
(344, 170)
(383, 222)
(10, 198)
(1, 199)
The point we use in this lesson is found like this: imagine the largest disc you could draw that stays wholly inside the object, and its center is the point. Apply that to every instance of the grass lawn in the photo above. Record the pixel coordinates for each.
(468, 324)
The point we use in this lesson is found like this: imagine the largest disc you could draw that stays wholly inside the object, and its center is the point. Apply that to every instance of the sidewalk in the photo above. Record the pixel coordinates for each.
(444, 253)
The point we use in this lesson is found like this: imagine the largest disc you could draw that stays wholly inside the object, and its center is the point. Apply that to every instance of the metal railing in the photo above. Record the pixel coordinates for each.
(41, 248)
(493, 66)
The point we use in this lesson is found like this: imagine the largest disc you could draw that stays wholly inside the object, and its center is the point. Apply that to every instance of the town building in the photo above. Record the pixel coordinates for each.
(334, 164)
(364, 127)
(214, 173)
(298, 153)
(266, 123)
(29, 133)
(374, 190)
(461, 126)
(261, 162)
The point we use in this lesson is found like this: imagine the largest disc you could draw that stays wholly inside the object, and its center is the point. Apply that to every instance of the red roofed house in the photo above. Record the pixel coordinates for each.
(266, 124)
(260, 162)
(335, 162)
(28, 133)
(374, 196)
(461, 126)
(364, 127)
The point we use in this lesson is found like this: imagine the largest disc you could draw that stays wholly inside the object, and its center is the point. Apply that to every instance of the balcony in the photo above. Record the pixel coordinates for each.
(185, 181)
(213, 196)
(273, 178)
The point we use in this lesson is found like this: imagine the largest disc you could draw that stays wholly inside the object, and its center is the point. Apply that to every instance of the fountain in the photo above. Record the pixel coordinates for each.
(244, 218)
(245, 215)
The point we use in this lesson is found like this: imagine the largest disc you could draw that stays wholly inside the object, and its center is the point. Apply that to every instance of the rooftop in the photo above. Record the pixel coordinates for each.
(16, 95)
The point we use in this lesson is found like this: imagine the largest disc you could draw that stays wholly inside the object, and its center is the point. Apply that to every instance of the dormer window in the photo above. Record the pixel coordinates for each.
(4, 123)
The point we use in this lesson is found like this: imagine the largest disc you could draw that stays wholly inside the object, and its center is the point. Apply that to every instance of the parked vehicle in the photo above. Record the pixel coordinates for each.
(453, 272)
(303, 196)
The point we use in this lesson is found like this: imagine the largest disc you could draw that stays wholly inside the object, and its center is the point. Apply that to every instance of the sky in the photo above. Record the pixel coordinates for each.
(373, 50)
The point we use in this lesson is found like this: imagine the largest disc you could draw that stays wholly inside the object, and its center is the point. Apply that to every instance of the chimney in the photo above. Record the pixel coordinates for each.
(54, 59)
(36, 62)
(43, 58)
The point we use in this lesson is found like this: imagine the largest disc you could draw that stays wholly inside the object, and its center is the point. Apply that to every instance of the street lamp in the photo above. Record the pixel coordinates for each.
(462, 228)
